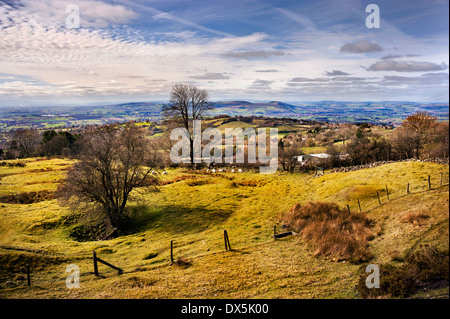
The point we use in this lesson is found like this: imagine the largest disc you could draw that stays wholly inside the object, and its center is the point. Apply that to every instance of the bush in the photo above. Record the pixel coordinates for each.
(415, 218)
(423, 268)
(27, 198)
(13, 164)
(198, 182)
(251, 183)
(334, 232)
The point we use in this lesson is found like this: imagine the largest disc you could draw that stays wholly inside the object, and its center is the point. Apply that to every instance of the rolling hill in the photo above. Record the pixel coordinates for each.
(193, 211)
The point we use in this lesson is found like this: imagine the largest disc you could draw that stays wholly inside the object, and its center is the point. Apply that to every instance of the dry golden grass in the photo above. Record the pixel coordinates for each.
(194, 215)
(415, 218)
(333, 231)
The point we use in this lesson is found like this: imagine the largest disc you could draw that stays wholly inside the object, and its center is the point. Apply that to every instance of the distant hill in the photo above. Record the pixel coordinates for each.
(244, 108)
(372, 112)
(46, 117)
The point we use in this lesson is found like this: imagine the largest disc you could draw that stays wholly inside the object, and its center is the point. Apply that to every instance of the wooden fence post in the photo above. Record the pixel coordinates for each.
(441, 179)
(171, 251)
(378, 196)
(94, 255)
(429, 182)
(387, 193)
(226, 239)
(407, 189)
(97, 260)
(274, 232)
(28, 276)
(359, 205)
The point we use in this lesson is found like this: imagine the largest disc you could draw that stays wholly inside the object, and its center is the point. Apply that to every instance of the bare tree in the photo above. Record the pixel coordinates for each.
(442, 140)
(112, 163)
(423, 124)
(27, 141)
(345, 132)
(187, 103)
(405, 142)
(287, 154)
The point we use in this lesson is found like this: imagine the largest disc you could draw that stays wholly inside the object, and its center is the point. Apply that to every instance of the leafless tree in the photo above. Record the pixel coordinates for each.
(423, 124)
(405, 142)
(287, 154)
(345, 132)
(27, 141)
(187, 103)
(112, 163)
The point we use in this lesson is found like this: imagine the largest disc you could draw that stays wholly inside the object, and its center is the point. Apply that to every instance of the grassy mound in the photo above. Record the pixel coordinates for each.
(333, 231)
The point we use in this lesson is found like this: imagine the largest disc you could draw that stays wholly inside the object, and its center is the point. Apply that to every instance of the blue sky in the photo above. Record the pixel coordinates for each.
(256, 50)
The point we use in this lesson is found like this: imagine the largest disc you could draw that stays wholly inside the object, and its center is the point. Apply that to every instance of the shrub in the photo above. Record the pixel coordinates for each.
(414, 218)
(198, 182)
(27, 198)
(422, 268)
(183, 262)
(13, 164)
(251, 183)
(334, 232)
(178, 179)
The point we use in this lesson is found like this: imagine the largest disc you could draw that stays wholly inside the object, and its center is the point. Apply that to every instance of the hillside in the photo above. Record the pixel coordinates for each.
(193, 211)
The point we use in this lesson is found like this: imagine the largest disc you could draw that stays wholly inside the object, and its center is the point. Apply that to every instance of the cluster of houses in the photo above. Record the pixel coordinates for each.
(303, 159)
(220, 170)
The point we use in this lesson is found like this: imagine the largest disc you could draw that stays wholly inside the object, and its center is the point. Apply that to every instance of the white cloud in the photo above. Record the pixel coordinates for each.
(261, 54)
(304, 63)
(406, 66)
(335, 73)
(93, 13)
(91, 58)
(211, 76)
(361, 47)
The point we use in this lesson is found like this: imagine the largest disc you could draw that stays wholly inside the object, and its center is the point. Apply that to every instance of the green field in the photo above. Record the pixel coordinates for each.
(193, 213)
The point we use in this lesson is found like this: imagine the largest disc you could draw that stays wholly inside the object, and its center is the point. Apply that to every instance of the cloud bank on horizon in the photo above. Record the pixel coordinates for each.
(129, 50)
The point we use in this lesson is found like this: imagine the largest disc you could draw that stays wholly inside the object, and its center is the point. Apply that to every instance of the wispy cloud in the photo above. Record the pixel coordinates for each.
(211, 76)
(398, 56)
(253, 54)
(406, 66)
(299, 18)
(336, 73)
(97, 14)
(361, 47)
(424, 79)
(162, 15)
(250, 49)
(267, 71)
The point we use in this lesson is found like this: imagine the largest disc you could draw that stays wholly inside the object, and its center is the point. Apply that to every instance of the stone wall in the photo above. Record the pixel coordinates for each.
(375, 164)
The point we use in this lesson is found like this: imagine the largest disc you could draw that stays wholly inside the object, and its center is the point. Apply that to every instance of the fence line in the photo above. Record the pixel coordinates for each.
(429, 186)
(226, 237)
(96, 259)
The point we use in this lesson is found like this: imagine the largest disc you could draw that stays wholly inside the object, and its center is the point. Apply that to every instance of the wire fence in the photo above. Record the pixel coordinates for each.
(175, 246)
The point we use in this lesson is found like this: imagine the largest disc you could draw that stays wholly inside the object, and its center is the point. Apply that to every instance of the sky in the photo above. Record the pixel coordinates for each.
(127, 51)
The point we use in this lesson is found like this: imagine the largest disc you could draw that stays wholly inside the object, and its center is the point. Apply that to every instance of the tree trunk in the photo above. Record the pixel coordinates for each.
(191, 141)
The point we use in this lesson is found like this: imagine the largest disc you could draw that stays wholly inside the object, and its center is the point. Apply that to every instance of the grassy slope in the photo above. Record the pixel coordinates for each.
(195, 217)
